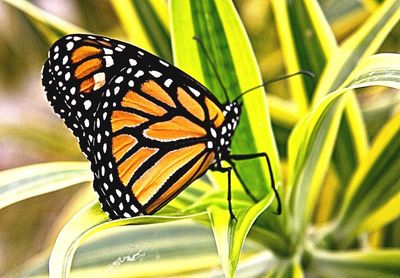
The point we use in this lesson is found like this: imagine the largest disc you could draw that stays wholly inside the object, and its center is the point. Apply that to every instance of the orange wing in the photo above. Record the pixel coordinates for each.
(170, 150)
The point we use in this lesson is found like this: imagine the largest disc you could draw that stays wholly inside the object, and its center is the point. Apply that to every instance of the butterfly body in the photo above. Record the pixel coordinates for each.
(148, 129)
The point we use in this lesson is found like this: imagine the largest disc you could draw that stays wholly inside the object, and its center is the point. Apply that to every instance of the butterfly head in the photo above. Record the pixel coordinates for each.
(223, 135)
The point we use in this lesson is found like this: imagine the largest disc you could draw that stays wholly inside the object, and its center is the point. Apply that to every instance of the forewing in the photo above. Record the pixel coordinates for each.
(75, 76)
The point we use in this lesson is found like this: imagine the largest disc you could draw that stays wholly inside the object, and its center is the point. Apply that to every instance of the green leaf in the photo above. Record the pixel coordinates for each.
(88, 221)
(380, 69)
(310, 147)
(361, 44)
(346, 15)
(282, 111)
(352, 139)
(307, 43)
(51, 26)
(219, 27)
(289, 268)
(375, 263)
(313, 139)
(217, 24)
(375, 183)
(29, 181)
(230, 233)
(146, 24)
(175, 249)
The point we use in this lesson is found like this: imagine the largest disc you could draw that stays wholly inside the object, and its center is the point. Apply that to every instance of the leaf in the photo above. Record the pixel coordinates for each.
(51, 26)
(313, 139)
(29, 181)
(290, 268)
(380, 69)
(310, 147)
(346, 15)
(217, 24)
(361, 44)
(227, 45)
(146, 24)
(175, 248)
(307, 43)
(376, 182)
(88, 221)
(352, 140)
(282, 111)
(230, 233)
(375, 263)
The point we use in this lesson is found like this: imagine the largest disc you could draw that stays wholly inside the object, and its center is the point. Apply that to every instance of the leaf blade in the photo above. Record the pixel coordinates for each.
(29, 181)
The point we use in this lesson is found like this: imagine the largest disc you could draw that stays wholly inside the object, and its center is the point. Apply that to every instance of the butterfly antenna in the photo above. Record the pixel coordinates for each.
(196, 38)
(303, 72)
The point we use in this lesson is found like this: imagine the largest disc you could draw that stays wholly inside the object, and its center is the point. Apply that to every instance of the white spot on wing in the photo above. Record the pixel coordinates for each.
(132, 62)
(164, 63)
(213, 133)
(108, 51)
(109, 61)
(155, 73)
(194, 91)
(119, 193)
(223, 131)
(87, 104)
(70, 45)
(99, 80)
(168, 82)
(65, 59)
(139, 73)
(119, 79)
(135, 210)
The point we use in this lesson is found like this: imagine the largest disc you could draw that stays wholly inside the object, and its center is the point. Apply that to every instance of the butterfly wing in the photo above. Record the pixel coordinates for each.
(74, 77)
(144, 124)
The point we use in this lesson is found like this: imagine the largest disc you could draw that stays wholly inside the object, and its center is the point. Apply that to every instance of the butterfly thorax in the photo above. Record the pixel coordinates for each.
(223, 135)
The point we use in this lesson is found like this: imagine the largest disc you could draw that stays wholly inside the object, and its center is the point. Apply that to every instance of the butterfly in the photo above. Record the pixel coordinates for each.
(147, 128)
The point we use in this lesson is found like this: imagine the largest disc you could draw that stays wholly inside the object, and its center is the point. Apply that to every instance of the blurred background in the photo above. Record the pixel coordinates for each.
(31, 133)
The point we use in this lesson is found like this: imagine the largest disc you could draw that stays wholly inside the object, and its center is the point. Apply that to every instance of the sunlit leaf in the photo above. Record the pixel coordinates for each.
(145, 23)
(352, 140)
(216, 23)
(375, 183)
(29, 181)
(51, 26)
(379, 263)
(307, 43)
(230, 233)
(88, 221)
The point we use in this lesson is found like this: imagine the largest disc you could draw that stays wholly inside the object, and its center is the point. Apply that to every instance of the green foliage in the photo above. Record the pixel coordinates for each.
(339, 193)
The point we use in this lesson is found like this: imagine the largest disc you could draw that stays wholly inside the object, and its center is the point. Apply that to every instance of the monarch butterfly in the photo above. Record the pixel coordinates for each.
(148, 129)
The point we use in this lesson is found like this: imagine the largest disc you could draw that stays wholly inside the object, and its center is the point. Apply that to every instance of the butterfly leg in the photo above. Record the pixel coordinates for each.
(246, 189)
(271, 175)
(229, 171)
